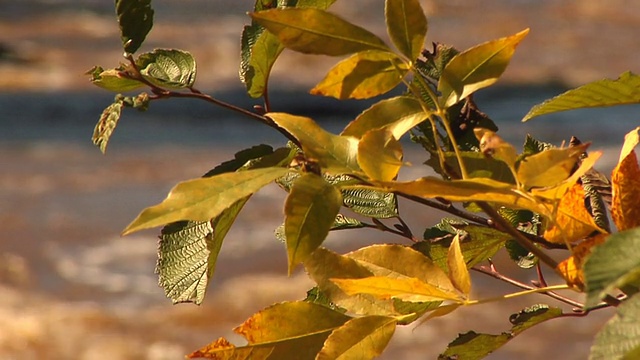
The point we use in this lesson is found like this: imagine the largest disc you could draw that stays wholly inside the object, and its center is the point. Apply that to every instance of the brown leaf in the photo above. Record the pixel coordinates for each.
(209, 351)
(571, 268)
(572, 222)
(625, 179)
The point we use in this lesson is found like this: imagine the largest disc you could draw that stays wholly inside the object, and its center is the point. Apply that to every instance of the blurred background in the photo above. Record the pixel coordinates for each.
(72, 288)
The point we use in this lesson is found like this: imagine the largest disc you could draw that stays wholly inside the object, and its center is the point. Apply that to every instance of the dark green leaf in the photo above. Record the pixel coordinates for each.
(371, 203)
(169, 68)
(107, 123)
(532, 316)
(522, 257)
(435, 61)
(316, 31)
(612, 265)
(406, 25)
(135, 18)
(602, 93)
(534, 146)
(619, 338)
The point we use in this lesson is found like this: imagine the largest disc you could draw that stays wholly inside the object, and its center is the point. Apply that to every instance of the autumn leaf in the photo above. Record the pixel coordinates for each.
(407, 289)
(572, 222)
(625, 180)
(458, 272)
(571, 268)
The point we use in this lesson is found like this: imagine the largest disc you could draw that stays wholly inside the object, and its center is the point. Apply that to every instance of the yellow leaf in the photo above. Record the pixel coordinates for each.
(380, 155)
(491, 144)
(571, 268)
(625, 185)
(549, 167)
(362, 76)
(558, 191)
(359, 338)
(407, 289)
(572, 222)
(458, 272)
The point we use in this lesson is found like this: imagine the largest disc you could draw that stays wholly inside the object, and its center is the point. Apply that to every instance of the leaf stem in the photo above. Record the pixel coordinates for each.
(518, 294)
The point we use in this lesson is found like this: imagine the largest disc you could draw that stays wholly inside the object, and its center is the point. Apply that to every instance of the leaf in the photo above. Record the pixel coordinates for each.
(359, 338)
(406, 289)
(557, 192)
(287, 331)
(107, 124)
(601, 93)
(112, 80)
(380, 155)
(549, 167)
(571, 268)
(625, 179)
(492, 145)
(362, 76)
(371, 203)
(204, 199)
(476, 68)
(334, 153)
(477, 164)
(619, 339)
(406, 25)
(324, 265)
(170, 68)
(398, 114)
(480, 189)
(135, 18)
(521, 256)
(572, 222)
(473, 346)
(458, 272)
(310, 211)
(316, 31)
(612, 265)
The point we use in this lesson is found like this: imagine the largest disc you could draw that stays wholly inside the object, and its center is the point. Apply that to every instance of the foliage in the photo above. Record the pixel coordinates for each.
(546, 199)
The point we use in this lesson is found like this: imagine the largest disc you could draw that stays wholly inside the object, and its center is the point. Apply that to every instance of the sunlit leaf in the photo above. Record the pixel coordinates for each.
(572, 222)
(398, 114)
(287, 331)
(334, 153)
(625, 208)
(380, 155)
(476, 68)
(112, 79)
(407, 289)
(310, 211)
(458, 272)
(491, 144)
(363, 75)
(477, 164)
(316, 31)
(169, 68)
(549, 167)
(135, 18)
(611, 265)
(406, 25)
(557, 192)
(475, 346)
(324, 265)
(359, 338)
(571, 268)
(107, 123)
(204, 199)
(619, 338)
(624, 90)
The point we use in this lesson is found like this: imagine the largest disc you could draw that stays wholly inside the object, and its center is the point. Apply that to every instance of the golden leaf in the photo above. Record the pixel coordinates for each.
(625, 187)
(572, 222)
(571, 268)
(210, 351)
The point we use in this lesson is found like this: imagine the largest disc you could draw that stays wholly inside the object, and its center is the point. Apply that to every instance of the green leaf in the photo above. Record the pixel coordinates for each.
(406, 25)
(521, 256)
(359, 338)
(334, 153)
(435, 61)
(602, 93)
(476, 68)
(400, 114)
(474, 346)
(170, 68)
(135, 18)
(477, 164)
(316, 31)
(380, 155)
(204, 199)
(343, 222)
(533, 146)
(112, 80)
(612, 265)
(619, 338)
(310, 212)
(107, 123)
(371, 203)
(363, 75)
